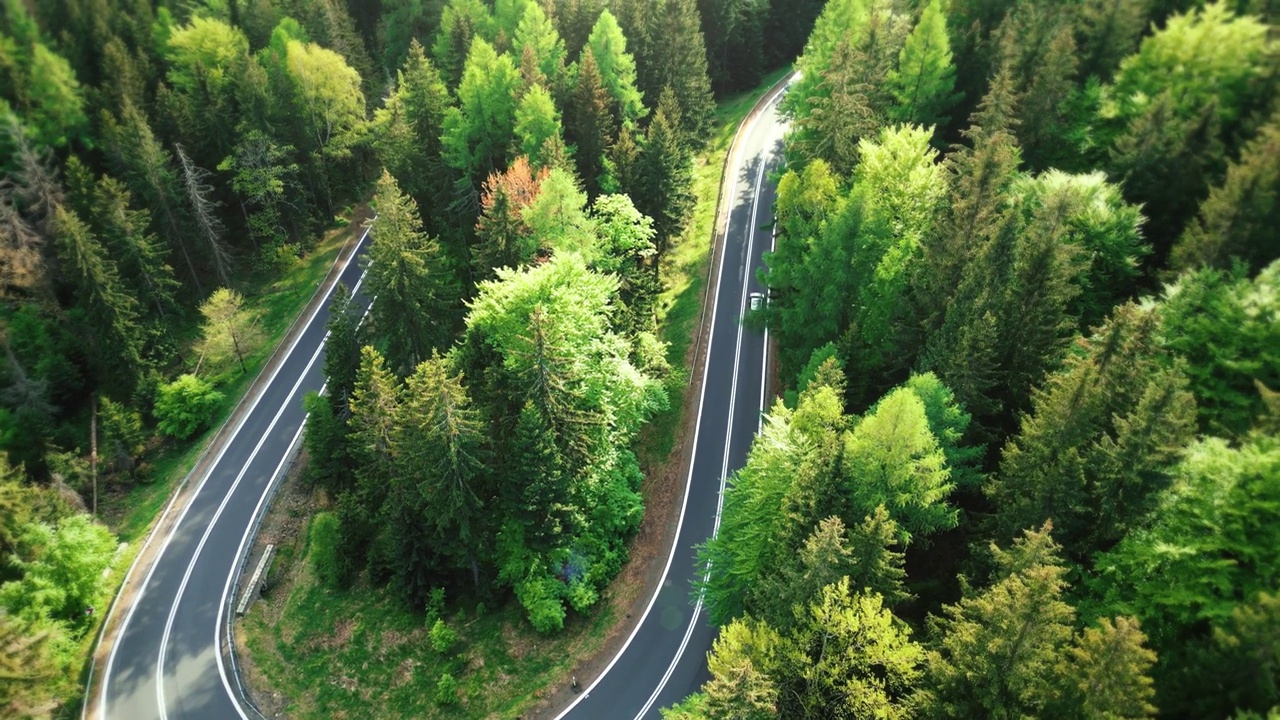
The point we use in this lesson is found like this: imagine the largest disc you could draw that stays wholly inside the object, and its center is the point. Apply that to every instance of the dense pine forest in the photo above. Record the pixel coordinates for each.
(1025, 297)
(1028, 462)
(166, 163)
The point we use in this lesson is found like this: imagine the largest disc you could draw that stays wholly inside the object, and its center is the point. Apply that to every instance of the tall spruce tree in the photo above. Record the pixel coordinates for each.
(980, 179)
(461, 22)
(443, 455)
(1036, 45)
(664, 175)
(415, 293)
(1101, 440)
(590, 125)
(147, 167)
(407, 130)
(734, 34)
(677, 58)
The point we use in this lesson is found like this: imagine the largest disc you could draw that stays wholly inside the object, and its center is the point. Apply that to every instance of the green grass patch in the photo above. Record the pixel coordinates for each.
(684, 271)
(360, 653)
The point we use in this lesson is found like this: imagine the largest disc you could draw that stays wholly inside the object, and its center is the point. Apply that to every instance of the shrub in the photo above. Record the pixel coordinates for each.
(443, 638)
(435, 606)
(324, 549)
(446, 690)
(541, 600)
(185, 406)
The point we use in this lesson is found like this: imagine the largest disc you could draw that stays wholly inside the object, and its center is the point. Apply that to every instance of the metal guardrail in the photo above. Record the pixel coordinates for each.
(254, 588)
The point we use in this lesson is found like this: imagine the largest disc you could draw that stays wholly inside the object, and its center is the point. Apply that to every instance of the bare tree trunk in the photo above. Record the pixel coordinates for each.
(202, 208)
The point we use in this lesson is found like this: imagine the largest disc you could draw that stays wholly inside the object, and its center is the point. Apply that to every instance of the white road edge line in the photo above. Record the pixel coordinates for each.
(208, 530)
(146, 581)
(697, 427)
(249, 529)
(764, 367)
(728, 437)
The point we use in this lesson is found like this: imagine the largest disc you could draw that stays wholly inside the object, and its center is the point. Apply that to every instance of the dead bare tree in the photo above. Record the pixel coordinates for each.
(35, 183)
(195, 179)
(22, 265)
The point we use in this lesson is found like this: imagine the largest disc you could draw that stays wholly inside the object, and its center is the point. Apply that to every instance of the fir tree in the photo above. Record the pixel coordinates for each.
(981, 176)
(664, 175)
(414, 292)
(341, 350)
(676, 58)
(999, 647)
(590, 126)
(443, 450)
(140, 257)
(407, 132)
(112, 309)
(461, 22)
(1106, 672)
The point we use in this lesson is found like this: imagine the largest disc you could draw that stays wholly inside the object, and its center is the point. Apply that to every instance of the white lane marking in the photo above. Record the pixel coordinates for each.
(249, 528)
(191, 566)
(697, 427)
(728, 437)
(764, 366)
(146, 581)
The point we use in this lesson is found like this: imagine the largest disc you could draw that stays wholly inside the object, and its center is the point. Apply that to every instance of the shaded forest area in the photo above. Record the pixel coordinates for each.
(530, 164)
(1028, 464)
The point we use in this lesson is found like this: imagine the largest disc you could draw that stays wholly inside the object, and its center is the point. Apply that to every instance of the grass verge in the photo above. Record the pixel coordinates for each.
(356, 654)
(311, 652)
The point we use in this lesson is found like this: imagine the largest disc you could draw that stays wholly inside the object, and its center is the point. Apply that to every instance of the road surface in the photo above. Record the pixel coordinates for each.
(167, 661)
(665, 659)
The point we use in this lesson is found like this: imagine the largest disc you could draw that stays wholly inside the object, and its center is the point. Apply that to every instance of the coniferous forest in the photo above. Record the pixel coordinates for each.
(1026, 459)
(1028, 463)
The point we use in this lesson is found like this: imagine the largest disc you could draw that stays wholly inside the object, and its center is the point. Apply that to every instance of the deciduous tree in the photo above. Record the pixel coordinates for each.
(923, 83)
(230, 330)
(477, 133)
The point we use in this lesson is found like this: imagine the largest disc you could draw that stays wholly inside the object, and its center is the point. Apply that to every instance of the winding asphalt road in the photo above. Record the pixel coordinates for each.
(170, 658)
(665, 658)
